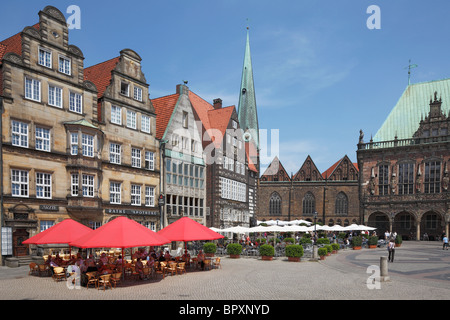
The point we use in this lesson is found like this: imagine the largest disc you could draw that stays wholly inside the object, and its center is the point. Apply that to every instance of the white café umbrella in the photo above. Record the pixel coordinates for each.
(299, 221)
(363, 227)
(237, 229)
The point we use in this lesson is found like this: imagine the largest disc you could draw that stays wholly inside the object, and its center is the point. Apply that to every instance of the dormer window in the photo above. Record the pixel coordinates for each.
(124, 89)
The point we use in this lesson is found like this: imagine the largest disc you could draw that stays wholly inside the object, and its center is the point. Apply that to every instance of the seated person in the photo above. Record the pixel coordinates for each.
(90, 263)
(201, 259)
(186, 257)
(104, 258)
(138, 267)
(167, 256)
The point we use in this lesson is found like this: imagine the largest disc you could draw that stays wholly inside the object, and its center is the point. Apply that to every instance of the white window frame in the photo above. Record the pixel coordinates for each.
(145, 123)
(19, 137)
(73, 143)
(87, 185)
(74, 184)
(46, 60)
(136, 195)
(115, 192)
(149, 160)
(149, 196)
(131, 119)
(55, 96)
(76, 102)
(115, 153)
(136, 157)
(87, 144)
(137, 94)
(66, 66)
(42, 139)
(32, 89)
(43, 185)
(116, 115)
(20, 178)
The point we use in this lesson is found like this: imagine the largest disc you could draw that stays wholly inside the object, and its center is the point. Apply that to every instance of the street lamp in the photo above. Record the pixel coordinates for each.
(314, 240)
(315, 219)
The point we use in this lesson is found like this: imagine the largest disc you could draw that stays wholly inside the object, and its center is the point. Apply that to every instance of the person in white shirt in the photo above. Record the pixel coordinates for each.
(391, 249)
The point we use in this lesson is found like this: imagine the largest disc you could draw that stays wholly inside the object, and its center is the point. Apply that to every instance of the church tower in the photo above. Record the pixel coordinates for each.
(247, 113)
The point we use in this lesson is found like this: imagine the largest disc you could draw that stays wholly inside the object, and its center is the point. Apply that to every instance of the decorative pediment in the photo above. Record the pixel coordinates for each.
(32, 32)
(13, 57)
(54, 13)
(75, 50)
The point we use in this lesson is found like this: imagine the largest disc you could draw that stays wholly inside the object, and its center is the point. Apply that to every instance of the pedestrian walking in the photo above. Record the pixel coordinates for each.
(391, 250)
(445, 242)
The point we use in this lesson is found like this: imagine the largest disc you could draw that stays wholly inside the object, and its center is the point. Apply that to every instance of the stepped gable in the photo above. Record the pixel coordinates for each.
(308, 171)
(343, 169)
(275, 172)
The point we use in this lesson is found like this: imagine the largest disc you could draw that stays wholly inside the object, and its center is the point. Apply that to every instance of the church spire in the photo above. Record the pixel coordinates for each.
(248, 116)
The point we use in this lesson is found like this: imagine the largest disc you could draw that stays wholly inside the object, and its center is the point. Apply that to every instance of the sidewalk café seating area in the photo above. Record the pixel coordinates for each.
(109, 273)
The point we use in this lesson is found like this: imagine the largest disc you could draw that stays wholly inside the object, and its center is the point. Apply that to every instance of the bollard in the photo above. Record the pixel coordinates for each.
(384, 270)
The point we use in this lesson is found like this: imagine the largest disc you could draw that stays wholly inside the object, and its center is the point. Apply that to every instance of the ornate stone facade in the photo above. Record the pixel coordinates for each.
(404, 183)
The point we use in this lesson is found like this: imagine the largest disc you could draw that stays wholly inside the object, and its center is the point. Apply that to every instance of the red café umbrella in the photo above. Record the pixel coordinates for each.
(120, 233)
(186, 229)
(63, 232)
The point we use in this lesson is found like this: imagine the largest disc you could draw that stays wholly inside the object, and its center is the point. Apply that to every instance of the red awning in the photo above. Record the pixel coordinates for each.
(63, 232)
(120, 233)
(186, 229)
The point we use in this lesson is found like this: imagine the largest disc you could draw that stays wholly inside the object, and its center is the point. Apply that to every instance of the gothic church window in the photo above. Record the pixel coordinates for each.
(309, 204)
(341, 204)
(275, 205)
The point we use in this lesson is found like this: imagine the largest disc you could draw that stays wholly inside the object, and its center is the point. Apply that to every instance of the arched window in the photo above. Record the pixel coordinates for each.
(341, 204)
(309, 204)
(275, 205)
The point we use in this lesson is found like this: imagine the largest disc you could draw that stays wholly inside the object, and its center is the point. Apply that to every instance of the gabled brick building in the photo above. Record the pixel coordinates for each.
(333, 194)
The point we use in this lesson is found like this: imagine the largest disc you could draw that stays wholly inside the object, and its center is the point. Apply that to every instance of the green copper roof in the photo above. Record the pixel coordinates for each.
(413, 105)
(82, 122)
(248, 116)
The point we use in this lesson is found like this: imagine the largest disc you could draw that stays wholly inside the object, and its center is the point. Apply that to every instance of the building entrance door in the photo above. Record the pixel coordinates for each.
(19, 236)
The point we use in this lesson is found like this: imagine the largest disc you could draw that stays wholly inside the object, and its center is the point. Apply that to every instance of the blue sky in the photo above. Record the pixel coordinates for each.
(320, 74)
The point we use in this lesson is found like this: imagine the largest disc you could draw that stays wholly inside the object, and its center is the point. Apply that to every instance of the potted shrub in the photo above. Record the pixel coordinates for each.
(289, 240)
(373, 242)
(329, 249)
(294, 252)
(234, 250)
(322, 252)
(305, 240)
(209, 249)
(335, 247)
(398, 240)
(323, 241)
(266, 251)
(357, 243)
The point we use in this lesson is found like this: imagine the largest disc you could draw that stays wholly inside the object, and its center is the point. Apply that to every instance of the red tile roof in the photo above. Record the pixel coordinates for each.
(100, 74)
(12, 44)
(164, 107)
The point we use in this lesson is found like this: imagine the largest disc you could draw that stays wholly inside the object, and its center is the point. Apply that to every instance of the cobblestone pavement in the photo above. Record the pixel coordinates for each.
(420, 271)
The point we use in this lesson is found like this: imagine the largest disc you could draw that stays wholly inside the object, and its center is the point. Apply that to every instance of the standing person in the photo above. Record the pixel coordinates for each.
(444, 242)
(391, 249)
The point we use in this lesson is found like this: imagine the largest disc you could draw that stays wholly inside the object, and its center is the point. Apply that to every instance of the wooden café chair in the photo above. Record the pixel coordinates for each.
(92, 279)
(104, 281)
(181, 267)
(59, 274)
